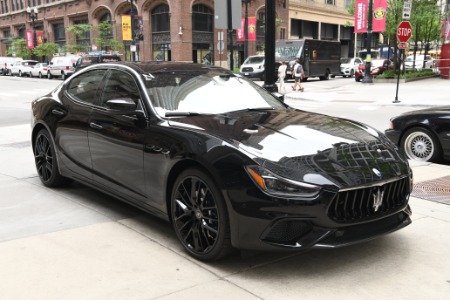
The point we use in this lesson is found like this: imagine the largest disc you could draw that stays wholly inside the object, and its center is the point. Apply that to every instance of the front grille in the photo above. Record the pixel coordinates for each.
(364, 203)
(247, 69)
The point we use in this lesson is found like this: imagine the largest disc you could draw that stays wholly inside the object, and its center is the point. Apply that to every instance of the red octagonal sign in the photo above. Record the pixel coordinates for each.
(404, 31)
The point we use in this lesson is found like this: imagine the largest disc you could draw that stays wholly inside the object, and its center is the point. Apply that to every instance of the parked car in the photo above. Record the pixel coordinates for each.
(377, 67)
(417, 64)
(422, 134)
(22, 67)
(39, 70)
(223, 160)
(253, 67)
(62, 66)
(6, 62)
(87, 60)
(349, 65)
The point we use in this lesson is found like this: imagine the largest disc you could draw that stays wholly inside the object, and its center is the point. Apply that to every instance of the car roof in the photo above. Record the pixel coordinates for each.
(163, 66)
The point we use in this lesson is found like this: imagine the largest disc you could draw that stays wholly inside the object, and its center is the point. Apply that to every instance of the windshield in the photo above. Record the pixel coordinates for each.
(206, 92)
(345, 60)
(254, 60)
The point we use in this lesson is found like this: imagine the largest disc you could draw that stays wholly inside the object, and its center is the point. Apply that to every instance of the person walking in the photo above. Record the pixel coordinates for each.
(298, 74)
(281, 75)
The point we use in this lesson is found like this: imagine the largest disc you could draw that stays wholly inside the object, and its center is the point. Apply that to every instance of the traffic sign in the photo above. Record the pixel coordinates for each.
(404, 31)
(407, 7)
(403, 46)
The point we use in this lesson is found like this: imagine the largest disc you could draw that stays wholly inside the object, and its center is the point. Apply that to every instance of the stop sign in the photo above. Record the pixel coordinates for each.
(404, 31)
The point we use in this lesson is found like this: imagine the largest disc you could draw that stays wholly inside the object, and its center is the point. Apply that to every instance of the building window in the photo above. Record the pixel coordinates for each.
(106, 18)
(330, 2)
(282, 33)
(60, 36)
(161, 19)
(202, 18)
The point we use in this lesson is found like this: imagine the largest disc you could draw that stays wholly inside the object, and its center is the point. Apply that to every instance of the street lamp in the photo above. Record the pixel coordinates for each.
(33, 13)
(133, 39)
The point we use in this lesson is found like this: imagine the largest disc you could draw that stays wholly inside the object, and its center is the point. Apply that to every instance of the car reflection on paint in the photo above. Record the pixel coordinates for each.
(229, 165)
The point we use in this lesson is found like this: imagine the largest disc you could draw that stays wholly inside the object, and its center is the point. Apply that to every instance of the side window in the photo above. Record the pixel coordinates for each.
(120, 85)
(84, 87)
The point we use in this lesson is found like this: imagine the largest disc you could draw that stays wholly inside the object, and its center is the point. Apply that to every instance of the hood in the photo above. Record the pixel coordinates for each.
(306, 146)
(427, 111)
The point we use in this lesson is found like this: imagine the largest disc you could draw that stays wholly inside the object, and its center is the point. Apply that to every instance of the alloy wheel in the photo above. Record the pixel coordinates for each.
(196, 215)
(44, 158)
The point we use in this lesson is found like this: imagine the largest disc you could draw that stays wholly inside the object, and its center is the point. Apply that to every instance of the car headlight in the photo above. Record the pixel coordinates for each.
(275, 185)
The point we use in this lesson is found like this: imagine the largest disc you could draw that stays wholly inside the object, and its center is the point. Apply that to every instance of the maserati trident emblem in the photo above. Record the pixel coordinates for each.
(376, 172)
(377, 199)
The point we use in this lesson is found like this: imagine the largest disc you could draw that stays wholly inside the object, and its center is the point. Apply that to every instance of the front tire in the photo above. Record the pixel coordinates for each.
(199, 216)
(49, 75)
(63, 76)
(421, 144)
(46, 161)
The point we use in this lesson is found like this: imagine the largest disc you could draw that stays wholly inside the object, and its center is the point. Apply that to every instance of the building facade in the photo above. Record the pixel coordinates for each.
(174, 30)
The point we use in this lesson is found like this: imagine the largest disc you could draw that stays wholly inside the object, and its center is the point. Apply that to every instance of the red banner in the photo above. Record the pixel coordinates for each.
(379, 15)
(360, 16)
(251, 30)
(39, 37)
(29, 38)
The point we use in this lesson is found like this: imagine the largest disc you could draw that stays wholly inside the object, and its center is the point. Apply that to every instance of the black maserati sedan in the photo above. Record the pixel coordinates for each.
(423, 134)
(227, 163)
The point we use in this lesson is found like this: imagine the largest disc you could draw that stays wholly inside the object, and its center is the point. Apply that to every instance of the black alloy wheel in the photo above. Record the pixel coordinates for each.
(199, 216)
(46, 162)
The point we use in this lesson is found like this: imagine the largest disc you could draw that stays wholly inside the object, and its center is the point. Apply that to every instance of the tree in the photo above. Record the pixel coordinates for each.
(46, 50)
(19, 48)
(79, 31)
(104, 39)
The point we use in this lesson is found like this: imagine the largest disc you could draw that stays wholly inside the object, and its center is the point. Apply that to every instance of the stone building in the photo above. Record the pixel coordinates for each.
(176, 30)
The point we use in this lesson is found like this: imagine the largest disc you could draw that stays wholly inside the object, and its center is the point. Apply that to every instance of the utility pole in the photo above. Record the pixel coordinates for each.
(367, 78)
(269, 68)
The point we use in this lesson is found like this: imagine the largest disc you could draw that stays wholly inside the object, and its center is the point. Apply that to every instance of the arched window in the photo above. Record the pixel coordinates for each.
(202, 18)
(160, 19)
(106, 18)
(161, 33)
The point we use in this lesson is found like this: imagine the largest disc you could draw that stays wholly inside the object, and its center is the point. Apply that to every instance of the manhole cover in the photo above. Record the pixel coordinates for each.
(437, 190)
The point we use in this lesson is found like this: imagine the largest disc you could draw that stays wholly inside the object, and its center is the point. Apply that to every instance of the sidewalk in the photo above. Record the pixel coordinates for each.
(414, 93)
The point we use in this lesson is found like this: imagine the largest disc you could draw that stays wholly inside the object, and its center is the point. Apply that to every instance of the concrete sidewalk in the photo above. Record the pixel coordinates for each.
(76, 243)
(414, 93)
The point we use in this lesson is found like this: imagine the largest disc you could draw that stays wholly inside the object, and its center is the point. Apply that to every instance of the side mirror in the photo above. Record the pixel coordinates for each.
(123, 104)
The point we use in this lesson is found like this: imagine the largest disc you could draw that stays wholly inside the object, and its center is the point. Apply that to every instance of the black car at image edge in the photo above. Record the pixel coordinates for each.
(424, 134)
(229, 165)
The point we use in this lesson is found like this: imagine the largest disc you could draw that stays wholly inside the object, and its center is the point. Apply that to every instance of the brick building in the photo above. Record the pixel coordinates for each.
(177, 30)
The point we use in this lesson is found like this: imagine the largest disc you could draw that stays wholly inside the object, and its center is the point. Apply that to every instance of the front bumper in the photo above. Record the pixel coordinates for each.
(280, 224)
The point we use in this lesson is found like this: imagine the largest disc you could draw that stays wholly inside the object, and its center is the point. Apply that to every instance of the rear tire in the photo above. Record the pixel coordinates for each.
(49, 75)
(46, 161)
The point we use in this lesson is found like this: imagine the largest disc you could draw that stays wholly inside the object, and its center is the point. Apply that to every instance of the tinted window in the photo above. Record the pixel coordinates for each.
(119, 85)
(84, 87)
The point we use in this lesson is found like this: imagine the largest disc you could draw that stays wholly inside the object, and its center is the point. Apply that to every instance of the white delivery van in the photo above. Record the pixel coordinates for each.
(6, 62)
(62, 66)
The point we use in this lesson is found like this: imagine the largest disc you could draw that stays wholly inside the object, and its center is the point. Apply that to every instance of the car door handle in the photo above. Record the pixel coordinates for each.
(58, 112)
(95, 125)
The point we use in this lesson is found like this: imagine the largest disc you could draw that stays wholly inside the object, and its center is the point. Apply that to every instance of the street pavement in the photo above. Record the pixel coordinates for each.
(76, 243)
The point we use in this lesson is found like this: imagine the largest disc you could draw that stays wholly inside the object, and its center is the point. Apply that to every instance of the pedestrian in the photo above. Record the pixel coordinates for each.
(298, 73)
(281, 75)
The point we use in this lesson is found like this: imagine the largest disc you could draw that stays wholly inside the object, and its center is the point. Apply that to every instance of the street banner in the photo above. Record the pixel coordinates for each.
(29, 38)
(138, 28)
(126, 28)
(446, 29)
(240, 33)
(379, 15)
(39, 37)
(360, 16)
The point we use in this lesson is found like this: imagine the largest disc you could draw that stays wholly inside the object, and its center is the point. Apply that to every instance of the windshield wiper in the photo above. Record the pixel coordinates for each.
(253, 109)
(183, 114)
